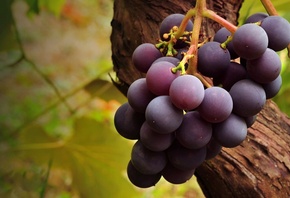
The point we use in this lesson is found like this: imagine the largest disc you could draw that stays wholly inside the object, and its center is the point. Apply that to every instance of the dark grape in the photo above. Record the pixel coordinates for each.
(128, 122)
(266, 68)
(155, 141)
(250, 120)
(162, 116)
(170, 59)
(159, 77)
(250, 41)
(180, 53)
(169, 22)
(144, 55)
(139, 179)
(254, 18)
(221, 36)
(213, 148)
(176, 176)
(146, 161)
(272, 88)
(248, 98)
(277, 29)
(231, 132)
(139, 95)
(194, 132)
(186, 92)
(184, 158)
(213, 60)
(216, 106)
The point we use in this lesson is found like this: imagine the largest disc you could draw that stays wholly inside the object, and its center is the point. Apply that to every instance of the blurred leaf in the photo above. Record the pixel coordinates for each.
(53, 6)
(104, 90)
(33, 6)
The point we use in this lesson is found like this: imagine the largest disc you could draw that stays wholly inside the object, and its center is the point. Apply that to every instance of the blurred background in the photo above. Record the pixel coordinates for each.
(57, 137)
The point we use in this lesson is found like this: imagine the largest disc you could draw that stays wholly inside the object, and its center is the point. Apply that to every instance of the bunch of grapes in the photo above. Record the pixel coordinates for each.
(176, 120)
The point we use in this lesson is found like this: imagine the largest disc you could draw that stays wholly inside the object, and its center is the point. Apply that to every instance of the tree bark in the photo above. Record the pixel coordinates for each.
(260, 166)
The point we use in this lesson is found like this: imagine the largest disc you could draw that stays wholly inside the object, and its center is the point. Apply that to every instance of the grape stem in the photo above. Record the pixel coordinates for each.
(268, 5)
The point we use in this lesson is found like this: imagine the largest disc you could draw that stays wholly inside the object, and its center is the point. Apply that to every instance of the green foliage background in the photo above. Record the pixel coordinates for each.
(57, 137)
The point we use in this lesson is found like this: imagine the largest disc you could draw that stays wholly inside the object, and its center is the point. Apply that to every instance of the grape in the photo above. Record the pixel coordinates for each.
(170, 59)
(272, 88)
(266, 68)
(234, 73)
(250, 120)
(250, 41)
(277, 29)
(184, 158)
(221, 36)
(194, 132)
(213, 148)
(216, 106)
(144, 55)
(159, 77)
(146, 161)
(128, 122)
(155, 141)
(180, 53)
(162, 116)
(169, 22)
(139, 96)
(186, 92)
(248, 98)
(213, 60)
(176, 176)
(256, 17)
(139, 179)
(231, 132)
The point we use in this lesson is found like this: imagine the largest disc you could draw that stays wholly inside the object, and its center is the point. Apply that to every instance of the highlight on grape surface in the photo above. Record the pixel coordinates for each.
(196, 99)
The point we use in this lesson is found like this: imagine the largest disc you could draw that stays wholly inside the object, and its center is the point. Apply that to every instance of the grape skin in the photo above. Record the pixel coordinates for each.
(128, 122)
(272, 88)
(277, 29)
(250, 41)
(215, 64)
(176, 176)
(266, 68)
(146, 161)
(213, 148)
(139, 179)
(248, 98)
(159, 77)
(216, 106)
(194, 132)
(155, 141)
(231, 132)
(186, 92)
(256, 17)
(139, 95)
(144, 55)
(162, 116)
(170, 59)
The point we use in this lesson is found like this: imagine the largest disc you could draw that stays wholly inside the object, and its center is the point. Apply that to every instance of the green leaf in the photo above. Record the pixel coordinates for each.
(53, 6)
(33, 6)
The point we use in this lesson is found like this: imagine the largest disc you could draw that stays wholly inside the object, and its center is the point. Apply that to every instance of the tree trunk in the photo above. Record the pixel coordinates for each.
(260, 166)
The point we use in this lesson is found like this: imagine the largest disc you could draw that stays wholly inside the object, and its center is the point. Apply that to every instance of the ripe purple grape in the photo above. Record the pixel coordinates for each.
(186, 92)
(144, 55)
(176, 176)
(256, 17)
(272, 88)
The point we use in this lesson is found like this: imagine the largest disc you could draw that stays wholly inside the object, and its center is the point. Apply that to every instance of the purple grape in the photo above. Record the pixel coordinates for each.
(155, 141)
(213, 148)
(162, 116)
(250, 41)
(231, 132)
(248, 98)
(213, 60)
(144, 55)
(272, 88)
(170, 59)
(176, 176)
(256, 17)
(221, 36)
(139, 179)
(184, 158)
(146, 161)
(216, 106)
(128, 122)
(266, 68)
(194, 132)
(139, 95)
(159, 77)
(250, 120)
(186, 92)
(277, 29)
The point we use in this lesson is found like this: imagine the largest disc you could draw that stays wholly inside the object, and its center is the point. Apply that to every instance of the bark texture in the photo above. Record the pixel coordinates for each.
(260, 167)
